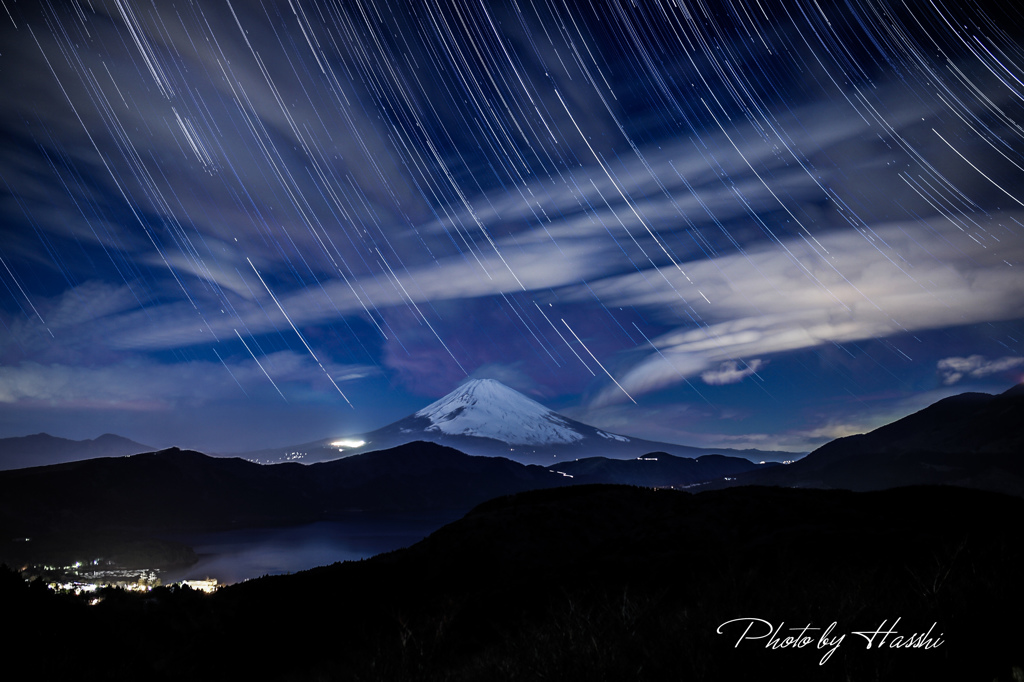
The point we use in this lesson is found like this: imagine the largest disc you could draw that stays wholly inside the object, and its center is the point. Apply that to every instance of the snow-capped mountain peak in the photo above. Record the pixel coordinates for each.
(488, 419)
(486, 408)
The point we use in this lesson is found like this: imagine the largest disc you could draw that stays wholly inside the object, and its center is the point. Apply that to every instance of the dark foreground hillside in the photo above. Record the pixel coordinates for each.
(594, 583)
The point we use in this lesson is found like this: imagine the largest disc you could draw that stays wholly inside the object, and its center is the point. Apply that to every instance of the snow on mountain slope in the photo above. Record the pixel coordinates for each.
(486, 408)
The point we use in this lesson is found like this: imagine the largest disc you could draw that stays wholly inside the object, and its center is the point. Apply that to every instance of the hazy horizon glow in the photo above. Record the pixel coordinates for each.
(750, 224)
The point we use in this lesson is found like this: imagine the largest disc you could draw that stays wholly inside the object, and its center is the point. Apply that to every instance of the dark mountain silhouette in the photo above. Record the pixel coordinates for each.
(973, 439)
(485, 417)
(592, 583)
(43, 449)
(185, 490)
(180, 490)
(657, 469)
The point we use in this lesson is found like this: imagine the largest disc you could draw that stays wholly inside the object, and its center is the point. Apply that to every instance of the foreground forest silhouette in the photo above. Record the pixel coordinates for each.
(588, 583)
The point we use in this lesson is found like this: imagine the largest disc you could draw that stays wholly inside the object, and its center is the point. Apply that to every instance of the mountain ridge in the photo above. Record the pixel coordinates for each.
(970, 439)
(174, 490)
(42, 449)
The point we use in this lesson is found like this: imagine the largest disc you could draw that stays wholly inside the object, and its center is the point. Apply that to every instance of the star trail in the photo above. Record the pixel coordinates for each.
(745, 223)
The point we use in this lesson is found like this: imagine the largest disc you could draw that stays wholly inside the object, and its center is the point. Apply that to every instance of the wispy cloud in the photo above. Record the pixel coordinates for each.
(954, 369)
(136, 384)
(730, 372)
(794, 297)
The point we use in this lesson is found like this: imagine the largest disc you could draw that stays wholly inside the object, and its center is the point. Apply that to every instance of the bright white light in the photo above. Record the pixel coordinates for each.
(348, 443)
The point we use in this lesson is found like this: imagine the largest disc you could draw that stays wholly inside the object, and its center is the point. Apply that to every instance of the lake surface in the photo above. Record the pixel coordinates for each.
(237, 555)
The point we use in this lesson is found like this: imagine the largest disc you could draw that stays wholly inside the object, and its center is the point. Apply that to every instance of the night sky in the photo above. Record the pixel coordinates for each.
(747, 223)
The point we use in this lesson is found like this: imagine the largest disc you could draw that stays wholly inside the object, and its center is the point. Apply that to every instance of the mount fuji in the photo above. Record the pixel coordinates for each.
(485, 408)
(485, 417)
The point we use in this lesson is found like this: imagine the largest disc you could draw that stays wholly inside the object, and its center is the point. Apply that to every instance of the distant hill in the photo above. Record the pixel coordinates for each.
(658, 470)
(42, 449)
(185, 490)
(485, 417)
(180, 490)
(974, 440)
